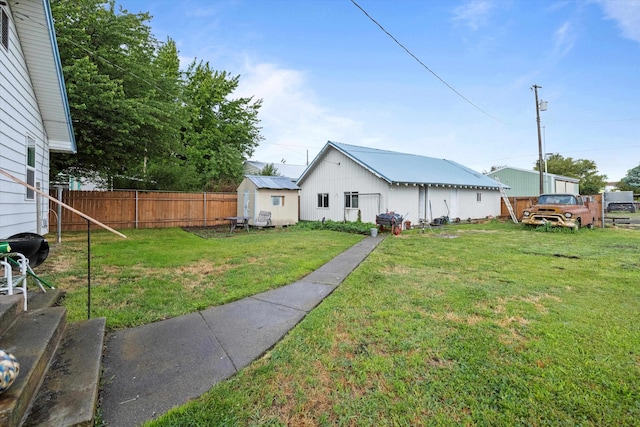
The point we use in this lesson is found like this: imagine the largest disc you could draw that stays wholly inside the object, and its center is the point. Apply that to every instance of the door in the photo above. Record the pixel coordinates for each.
(245, 203)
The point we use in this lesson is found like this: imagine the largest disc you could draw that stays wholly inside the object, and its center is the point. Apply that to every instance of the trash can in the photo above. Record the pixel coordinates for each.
(374, 232)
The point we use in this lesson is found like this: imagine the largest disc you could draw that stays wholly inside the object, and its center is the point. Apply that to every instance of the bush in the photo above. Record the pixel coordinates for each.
(345, 227)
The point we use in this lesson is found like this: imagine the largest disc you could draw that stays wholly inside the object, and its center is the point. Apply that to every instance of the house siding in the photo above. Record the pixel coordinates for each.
(19, 117)
(335, 174)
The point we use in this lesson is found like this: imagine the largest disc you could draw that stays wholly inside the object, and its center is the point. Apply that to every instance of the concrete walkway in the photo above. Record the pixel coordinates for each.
(152, 368)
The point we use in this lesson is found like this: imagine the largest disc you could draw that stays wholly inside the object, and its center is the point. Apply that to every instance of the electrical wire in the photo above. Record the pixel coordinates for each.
(424, 65)
(94, 54)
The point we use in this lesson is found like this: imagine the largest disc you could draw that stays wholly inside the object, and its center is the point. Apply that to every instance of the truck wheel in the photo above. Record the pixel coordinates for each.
(578, 224)
(590, 226)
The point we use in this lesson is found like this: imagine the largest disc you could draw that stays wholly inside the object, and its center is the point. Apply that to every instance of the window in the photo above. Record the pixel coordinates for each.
(323, 200)
(478, 197)
(351, 200)
(4, 28)
(277, 200)
(31, 166)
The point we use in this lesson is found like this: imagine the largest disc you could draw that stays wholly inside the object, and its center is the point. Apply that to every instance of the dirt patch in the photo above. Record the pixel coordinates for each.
(214, 232)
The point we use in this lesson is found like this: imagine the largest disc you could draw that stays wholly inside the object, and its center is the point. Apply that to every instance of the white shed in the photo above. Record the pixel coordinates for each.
(34, 113)
(275, 194)
(345, 182)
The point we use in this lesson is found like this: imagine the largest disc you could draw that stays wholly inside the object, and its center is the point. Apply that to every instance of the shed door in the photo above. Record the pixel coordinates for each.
(245, 203)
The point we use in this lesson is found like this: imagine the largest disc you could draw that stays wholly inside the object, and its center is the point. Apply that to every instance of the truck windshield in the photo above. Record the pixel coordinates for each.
(556, 199)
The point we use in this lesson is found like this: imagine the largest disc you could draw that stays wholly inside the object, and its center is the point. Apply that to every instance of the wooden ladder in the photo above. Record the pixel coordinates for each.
(507, 202)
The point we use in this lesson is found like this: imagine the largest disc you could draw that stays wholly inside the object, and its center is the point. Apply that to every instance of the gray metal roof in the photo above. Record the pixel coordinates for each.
(34, 25)
(272, 182)
(402, 168)
(290, 171)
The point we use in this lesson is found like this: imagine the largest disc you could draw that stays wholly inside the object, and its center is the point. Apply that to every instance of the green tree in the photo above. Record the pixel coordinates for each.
(122, 87)
(584, 170)
(220, 132)
(269, 170)
(631, 181)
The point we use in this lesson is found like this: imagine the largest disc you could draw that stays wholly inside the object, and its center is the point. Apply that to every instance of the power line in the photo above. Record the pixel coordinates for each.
(95, 55)
(424, 65)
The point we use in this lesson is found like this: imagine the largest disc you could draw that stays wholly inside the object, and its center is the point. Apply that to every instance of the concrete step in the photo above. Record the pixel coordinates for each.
(32, 339)
(10, 309)
(69, 394)
(11, 305)
(40, 299)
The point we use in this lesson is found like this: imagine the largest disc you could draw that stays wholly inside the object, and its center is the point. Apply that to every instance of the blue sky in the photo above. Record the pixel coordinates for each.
(326, 71)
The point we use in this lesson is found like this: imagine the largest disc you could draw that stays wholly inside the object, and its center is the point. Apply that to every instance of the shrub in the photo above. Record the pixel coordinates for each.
(345, 227)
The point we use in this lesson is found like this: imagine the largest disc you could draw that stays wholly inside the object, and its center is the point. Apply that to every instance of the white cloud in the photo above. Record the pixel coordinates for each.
(291, 117)
(626, 13)
(564, 38)
(473, 14)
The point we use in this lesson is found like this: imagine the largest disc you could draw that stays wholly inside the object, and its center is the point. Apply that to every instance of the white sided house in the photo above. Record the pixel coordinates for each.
(345, 182)
(34, 113)
(275, 194)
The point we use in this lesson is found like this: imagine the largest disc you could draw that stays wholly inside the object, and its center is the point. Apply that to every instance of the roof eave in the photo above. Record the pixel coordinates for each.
(38, 41)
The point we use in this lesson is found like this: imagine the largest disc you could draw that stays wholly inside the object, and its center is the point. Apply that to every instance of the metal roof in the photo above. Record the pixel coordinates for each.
(402, 168)
(272, 182)
(290, 171)
(34, 25)
(532, 172)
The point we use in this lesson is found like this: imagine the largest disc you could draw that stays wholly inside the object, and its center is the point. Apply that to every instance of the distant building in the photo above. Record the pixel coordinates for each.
(293, 172)
(526, 183)
(347, 182)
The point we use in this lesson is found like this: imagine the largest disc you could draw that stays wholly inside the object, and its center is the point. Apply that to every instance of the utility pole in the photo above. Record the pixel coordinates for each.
(535, 89)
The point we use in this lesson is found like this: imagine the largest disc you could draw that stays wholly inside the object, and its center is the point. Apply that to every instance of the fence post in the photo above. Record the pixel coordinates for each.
(136, 213)
(88, 268)
(205, 207)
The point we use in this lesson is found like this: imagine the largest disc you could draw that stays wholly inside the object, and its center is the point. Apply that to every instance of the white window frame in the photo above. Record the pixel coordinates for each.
(349, 198)
(277, 200)
(479, 197)
(30, 167)
(322, 198)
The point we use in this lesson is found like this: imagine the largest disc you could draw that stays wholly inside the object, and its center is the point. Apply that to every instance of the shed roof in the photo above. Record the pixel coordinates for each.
(272, 182)
(402, 168)
(34, 25)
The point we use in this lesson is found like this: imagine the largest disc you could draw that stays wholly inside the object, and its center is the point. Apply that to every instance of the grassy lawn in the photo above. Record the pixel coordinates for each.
(161, 273)
(469, 325)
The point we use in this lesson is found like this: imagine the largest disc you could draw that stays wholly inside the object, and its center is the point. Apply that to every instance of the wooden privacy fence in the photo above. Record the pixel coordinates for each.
(145, 209)
(519, 204)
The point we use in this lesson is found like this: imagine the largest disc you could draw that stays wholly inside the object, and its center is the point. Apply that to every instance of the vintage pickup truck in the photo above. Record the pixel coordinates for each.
(561, 210)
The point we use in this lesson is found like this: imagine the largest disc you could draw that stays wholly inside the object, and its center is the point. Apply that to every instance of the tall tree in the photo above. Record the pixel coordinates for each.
(631, 181)
(584, 170)
(220, 132)
(122, 87)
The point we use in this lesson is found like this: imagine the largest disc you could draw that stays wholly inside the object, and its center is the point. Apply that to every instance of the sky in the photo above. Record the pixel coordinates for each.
(439, 78)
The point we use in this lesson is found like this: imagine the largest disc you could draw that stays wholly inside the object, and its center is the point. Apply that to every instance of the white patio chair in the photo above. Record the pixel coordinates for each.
(263, 220)
(11, 283)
